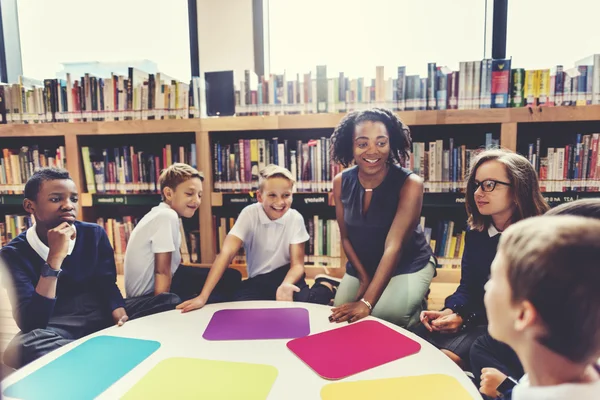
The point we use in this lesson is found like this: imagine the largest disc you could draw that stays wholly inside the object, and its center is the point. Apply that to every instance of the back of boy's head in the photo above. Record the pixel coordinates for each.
(32, 187)
(554, 263)
(177, 173)
(584, 208)
(274, 171)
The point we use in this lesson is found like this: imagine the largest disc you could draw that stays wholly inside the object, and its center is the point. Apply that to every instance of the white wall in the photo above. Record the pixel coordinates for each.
(556, 33)
(225, 36)
(355, 36)
(12, 45)
(58, 31)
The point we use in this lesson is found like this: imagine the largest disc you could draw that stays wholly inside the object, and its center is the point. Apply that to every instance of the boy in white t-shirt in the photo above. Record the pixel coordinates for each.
(152, 257)
(273, 236)
(543, 300)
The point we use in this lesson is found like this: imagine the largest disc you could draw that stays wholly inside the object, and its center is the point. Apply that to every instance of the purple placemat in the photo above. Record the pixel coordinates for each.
(258, 323)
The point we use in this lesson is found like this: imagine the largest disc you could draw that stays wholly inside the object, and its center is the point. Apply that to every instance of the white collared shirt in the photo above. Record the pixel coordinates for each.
(565, 391)
(492, 231)
(40, 248)
(267, 242)
(156, 232)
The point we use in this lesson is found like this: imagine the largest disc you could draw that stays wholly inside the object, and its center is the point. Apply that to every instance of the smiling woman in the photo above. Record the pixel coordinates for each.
(378, 204)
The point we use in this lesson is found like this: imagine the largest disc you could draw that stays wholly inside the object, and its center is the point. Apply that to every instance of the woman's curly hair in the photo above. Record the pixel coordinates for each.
(342, 140)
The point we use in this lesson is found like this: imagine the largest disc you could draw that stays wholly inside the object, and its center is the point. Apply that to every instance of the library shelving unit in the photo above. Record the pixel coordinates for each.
(514, 128)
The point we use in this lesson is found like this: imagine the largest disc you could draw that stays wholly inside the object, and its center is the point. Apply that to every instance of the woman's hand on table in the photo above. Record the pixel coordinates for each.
(193, 304)
(350, 312)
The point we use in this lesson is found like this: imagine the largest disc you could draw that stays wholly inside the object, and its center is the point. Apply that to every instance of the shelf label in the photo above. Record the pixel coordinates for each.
(127, 200)
(110, 200)
(238, 199)
(559, 198)
(443, 199)
(11, 199)
(299, 199)
(309, 199)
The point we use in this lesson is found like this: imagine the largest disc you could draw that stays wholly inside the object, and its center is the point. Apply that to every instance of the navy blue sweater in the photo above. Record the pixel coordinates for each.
(480, 250)
(90, 268)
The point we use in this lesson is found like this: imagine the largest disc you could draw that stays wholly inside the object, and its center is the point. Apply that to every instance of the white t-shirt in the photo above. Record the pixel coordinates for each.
(566, 391)
(267, 243)
(157, 232)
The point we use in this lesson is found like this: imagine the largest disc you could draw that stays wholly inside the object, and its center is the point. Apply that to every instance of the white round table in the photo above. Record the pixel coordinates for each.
(180, 335)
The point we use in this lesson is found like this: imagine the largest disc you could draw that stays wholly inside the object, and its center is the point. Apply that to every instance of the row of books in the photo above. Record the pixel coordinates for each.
(322, 249)
(13, 225)
(119, 231)
(444, 169)
(128, 169)
(136, 96)
(575, 167)
(477, 84)
(444, 241)
(237, 165)
(17, 165)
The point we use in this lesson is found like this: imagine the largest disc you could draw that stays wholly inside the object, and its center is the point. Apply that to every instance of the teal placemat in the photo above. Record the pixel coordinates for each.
(84, 372)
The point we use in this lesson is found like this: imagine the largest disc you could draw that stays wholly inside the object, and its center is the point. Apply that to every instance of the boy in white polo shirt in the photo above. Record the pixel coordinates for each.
(543, 300)
(273, 236)
(152, 257)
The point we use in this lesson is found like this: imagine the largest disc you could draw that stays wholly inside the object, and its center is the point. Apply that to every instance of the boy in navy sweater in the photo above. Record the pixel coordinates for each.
(62, 275)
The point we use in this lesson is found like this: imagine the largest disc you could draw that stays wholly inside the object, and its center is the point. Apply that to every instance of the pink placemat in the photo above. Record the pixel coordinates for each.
(354, 348)
(258, 323)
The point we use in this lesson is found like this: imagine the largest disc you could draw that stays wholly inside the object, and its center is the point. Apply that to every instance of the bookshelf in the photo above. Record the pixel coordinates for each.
(513, 127)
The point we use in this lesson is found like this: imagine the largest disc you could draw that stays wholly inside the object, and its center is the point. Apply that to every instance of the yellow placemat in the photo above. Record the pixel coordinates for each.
(422, 387)
(192, 378)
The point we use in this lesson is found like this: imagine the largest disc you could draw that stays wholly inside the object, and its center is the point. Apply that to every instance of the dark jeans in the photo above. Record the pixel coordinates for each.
(188, 282)
(75, 319)
(487, 352)
(264, 287)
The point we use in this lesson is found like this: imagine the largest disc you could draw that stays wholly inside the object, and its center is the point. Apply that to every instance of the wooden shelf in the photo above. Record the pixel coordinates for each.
(306, 121)
(510, 121)
(102, 128)
(89, 200)
(220, 199)
(447, 275)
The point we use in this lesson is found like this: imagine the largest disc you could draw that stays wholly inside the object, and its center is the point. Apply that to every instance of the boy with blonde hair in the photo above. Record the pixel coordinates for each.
(152, 258)
(273, 236)
(543, 300)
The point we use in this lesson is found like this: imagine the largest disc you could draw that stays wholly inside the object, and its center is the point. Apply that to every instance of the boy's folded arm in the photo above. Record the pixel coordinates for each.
(162, 272)
(231, 245)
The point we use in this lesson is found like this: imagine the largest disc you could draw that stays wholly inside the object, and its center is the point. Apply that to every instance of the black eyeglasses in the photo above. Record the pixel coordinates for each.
(488, 185)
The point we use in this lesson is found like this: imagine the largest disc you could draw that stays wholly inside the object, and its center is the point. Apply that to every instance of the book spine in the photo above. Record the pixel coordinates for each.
(500, 83)
(431, 92)
(516, 95)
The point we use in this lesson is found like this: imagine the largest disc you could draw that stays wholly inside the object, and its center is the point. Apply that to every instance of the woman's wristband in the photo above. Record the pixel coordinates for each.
(367, 304)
